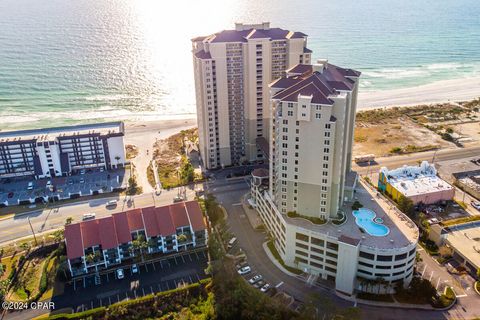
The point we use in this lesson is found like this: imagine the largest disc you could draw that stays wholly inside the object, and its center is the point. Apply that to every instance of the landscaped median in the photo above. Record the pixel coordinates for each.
(314, 220)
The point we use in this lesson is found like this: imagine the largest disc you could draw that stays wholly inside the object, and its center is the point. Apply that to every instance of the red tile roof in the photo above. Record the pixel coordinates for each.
(164, 220)
(196, 216)
(121, 226)
(151, 225)
(112, 231)
(179, 215)
(73, 239)
(135, 221)
(90, 233)
(108, 233)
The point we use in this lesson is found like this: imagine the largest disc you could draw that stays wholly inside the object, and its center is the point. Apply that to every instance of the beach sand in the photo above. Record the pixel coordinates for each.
(437, 92)
(143, 135)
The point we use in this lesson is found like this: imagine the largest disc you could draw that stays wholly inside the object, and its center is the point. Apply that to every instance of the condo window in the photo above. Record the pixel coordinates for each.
(330, 269)
(400, 257)
(301, 260)
(332, 246)
(399, 265)
(301, 236)
(367, 255)
(301, 253)
(412, 251)
(365, 264)
(303, 246)
(382, 274)
(327, 134)
(363, 271)
(333, 255)
(398, 273)
(316, 250)
(312, 256)
(316, 265)
(384, 258)
(327, 126)
(290, 113)
(383, 267)
(318, 116)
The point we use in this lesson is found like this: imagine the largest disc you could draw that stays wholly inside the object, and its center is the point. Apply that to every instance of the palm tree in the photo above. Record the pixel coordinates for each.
(118, 159)
(139, 245)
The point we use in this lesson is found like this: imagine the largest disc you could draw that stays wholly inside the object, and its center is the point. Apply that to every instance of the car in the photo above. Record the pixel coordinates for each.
(241, 264)
(476, 205)
(70, 182)
(244, 270)
(82, 171)
(178, 199)
(88, 216)
(111, 203)
(231, 243)
(82, 180)
(120, 274)
(257, 278)
(102, 169)
(265, 288)
(259, 284)
(134, 268)
(49, 183)
(30, 186)
(10, 195)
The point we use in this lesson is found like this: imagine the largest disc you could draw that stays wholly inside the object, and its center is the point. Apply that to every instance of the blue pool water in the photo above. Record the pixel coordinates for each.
(364, 218)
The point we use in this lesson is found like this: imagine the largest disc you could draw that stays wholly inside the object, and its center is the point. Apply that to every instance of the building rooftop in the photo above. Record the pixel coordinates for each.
(415, 180)
(48, 134)
(320, 81)
(466, 240)
(403, 231)
(110, 232)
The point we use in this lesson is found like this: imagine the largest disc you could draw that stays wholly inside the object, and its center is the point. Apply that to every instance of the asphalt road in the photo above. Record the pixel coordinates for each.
(412, 159)
(48, 219)
(228, 193)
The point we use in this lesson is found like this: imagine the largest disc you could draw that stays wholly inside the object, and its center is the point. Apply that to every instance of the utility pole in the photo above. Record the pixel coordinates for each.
(33, 232)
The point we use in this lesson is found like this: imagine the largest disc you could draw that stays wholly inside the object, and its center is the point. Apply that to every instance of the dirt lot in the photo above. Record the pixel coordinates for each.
(384, 132)
(381, 139)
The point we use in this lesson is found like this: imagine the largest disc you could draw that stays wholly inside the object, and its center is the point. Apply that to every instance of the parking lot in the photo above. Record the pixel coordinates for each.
(15, 191)
(152, 277)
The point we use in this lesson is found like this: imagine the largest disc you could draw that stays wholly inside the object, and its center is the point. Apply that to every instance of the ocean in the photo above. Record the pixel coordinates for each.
(75, 61)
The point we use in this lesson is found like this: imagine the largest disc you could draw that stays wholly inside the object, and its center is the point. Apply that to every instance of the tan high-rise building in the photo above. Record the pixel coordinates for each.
(313, 116)
(233, 69)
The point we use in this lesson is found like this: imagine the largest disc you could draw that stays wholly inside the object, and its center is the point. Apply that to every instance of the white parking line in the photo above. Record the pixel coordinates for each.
(431, 275)
(438, 282)
(236, 204)
(423, 272)
(278, 285)
(143, 290)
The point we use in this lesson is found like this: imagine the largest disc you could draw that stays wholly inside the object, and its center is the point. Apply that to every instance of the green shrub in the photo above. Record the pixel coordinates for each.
(356, 205)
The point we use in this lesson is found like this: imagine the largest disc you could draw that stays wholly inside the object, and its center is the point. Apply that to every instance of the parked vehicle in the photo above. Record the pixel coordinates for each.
(120, 274)
(244, 270)
(111, 203)
(265, 288)
(364, 158)
(259, 284)
(178, 199)
(82, 180)
(476, 205)
(257, 278)
(49, 183)
(231, 243)
(70, 182)
(134, 268)
(30, 186)
(102, 169)
(88, 216)
(82, 171)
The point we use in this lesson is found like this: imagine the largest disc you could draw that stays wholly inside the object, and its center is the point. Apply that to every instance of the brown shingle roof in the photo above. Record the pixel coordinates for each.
(135, 221)
(90, 234)
(195, 215)
(121, 226)
(179, 215)
(108, 233)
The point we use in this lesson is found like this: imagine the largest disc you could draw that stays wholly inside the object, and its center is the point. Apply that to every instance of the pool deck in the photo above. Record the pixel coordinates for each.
(403, 231)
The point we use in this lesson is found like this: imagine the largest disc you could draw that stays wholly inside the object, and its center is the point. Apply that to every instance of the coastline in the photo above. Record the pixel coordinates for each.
(454, 90)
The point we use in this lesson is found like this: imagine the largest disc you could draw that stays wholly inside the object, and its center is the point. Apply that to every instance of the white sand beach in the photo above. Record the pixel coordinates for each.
(442, 91)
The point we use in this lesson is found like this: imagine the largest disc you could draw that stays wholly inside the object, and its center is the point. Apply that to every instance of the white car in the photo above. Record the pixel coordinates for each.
(30, 186)
(244, 270)
(111, 203)
(265, 288)
(134, 268)
(120, 274)
(476, 205)
(82, 171)
(49, 183)
(88, 216)
(257, 278)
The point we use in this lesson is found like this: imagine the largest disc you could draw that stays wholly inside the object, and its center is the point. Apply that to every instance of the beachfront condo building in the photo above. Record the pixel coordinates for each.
(321, 218)
(233, 69)
(54, 152)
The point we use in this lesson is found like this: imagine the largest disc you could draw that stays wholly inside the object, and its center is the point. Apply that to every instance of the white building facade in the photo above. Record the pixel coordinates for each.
(58, 151)
(232, 71)
(306, 206)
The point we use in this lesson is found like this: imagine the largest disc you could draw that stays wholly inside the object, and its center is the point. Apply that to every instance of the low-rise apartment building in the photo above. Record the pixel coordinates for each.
(105, 242)
(417, 183)
(54, 152)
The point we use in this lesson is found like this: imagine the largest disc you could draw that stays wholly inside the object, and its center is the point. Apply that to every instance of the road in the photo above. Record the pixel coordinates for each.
(413, 158)
(17, 227)
(228, 193)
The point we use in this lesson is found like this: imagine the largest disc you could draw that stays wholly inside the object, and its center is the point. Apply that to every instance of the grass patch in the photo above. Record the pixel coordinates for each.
(131, 151)
(275, 253)
(452, 222)
(413, 149)
(28, 279)
(150, 175)
(315, 220)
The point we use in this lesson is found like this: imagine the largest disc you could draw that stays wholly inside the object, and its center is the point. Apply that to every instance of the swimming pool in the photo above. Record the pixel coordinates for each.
(364, 218)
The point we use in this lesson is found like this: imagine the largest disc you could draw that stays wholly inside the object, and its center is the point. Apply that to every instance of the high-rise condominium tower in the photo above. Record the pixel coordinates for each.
(233, 69)
(313, 116)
